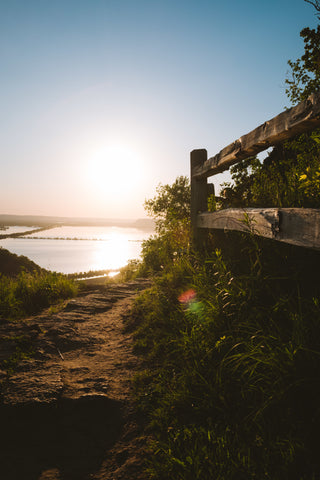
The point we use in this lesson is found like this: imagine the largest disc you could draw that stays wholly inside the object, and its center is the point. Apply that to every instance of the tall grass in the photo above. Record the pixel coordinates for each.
(232, 354)
(28, 293)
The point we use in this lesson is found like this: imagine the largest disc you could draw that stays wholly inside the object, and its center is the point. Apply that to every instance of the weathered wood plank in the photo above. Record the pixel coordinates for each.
(301, 118)
(296, 226)
(260, 221)
(199, 193)
(300, 226)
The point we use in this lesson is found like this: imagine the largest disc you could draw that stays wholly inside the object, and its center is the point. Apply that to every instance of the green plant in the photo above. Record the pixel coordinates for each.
(305, 71)
(22, 350)
(170, 208)
(171, 205)
(29, 293)
(278, 181)
(232, 353)
(131, 271)
(287, 177)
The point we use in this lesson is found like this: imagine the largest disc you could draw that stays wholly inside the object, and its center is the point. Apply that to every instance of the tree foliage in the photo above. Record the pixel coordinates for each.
(316, 5)
(288, 177)
(171, 205)
(290, 174)
(170, 208)
(305, 71)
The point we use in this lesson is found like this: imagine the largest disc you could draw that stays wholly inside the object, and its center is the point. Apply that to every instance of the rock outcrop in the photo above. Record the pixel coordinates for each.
(66, 412)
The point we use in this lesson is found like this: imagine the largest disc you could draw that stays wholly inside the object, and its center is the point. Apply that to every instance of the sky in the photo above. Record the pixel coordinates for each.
(102, 100)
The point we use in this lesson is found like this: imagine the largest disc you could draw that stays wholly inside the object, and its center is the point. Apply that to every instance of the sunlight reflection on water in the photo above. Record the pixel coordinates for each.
(109, 248)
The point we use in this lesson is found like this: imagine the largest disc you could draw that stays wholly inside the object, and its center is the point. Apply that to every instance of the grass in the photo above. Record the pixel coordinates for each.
(22, 349)
(28, 293)
(232, 359)
(25, 290)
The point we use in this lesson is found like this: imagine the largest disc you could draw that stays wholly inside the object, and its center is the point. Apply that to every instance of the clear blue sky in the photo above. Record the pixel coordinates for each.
(103, 99)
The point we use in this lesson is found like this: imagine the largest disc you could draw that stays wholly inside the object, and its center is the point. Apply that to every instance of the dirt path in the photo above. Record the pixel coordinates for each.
(67, 414)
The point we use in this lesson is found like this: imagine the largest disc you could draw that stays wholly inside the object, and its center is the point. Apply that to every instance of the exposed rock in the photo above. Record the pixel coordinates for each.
(65, 413)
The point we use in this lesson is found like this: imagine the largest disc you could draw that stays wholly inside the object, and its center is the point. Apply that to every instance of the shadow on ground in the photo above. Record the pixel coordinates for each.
(71, 438)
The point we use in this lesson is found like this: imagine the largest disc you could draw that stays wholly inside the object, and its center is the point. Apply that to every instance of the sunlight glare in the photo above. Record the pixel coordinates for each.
(113, 253)
(114, 171)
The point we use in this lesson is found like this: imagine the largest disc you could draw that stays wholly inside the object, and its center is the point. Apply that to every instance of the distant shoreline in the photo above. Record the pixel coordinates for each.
(73, 249)
(46, 221)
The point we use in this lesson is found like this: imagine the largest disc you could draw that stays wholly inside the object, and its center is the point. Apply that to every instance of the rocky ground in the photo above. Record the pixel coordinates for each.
(66, 413)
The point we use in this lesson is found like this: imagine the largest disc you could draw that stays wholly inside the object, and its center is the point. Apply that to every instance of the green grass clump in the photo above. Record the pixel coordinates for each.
(28, 293)
(232, 354)
(22, 349)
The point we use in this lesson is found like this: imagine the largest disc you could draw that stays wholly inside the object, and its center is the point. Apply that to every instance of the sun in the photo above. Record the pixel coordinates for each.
(114, 171)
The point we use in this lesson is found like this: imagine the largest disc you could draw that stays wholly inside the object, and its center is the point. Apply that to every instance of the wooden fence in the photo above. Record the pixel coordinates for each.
(297, 226)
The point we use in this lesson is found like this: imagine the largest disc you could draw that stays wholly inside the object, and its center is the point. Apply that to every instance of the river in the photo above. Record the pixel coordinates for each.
(79, 249)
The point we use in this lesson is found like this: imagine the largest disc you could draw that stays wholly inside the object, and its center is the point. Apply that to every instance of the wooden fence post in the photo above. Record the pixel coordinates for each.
(199, 192)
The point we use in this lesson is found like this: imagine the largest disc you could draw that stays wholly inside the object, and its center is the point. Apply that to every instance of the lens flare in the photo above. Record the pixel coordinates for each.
(188, 296)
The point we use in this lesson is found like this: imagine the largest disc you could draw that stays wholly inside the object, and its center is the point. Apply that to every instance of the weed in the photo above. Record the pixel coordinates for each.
(28, 293)
(232, 353)
(22, 349)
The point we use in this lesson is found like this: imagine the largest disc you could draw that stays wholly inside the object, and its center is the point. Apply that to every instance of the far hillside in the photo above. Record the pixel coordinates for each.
(11, 264)
(26, 289)
(44, 221)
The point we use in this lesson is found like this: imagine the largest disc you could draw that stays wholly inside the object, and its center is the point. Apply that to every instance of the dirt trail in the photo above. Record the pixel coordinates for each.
(66, 414)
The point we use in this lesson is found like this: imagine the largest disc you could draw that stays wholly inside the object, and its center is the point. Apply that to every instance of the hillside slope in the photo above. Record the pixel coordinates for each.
(12, 264)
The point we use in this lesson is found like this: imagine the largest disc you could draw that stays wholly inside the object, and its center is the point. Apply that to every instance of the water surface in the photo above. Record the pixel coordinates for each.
(15, 229)
(79, 249)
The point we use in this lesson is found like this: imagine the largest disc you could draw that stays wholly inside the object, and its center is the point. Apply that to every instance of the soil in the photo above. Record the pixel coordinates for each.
(67, 413)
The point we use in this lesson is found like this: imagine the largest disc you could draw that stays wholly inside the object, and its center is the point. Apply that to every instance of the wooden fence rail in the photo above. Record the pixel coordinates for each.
(297, 226)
